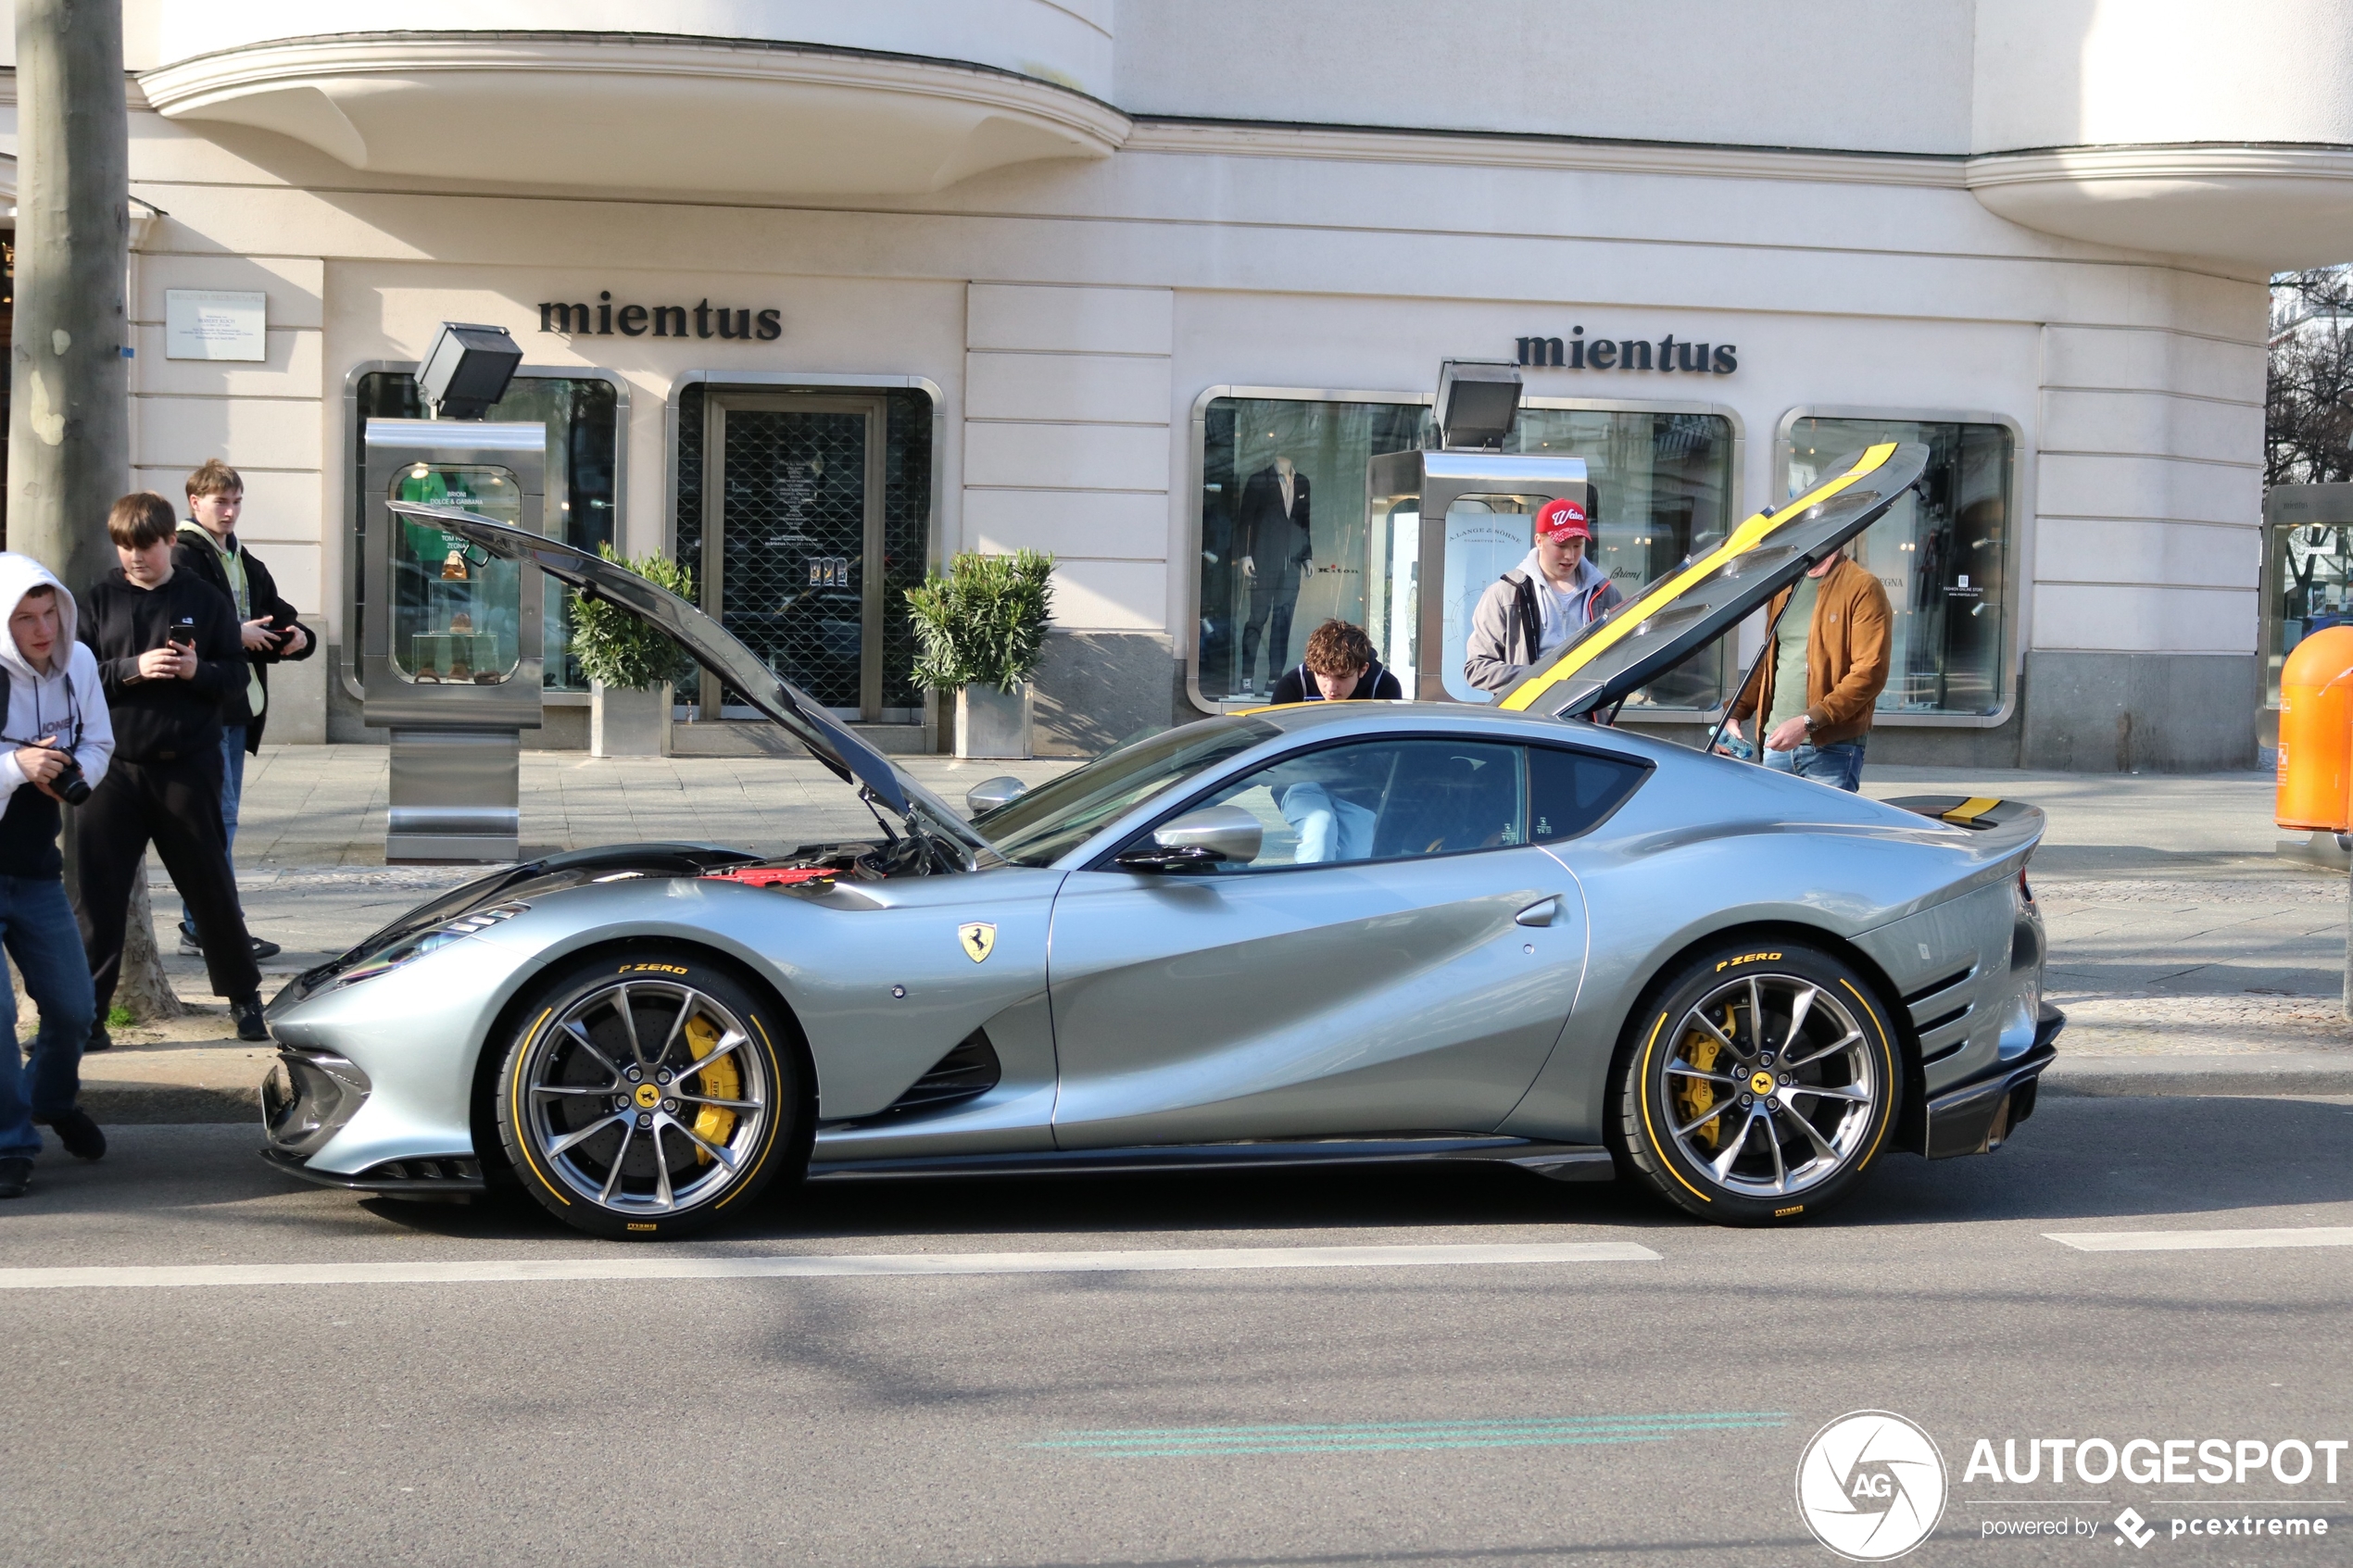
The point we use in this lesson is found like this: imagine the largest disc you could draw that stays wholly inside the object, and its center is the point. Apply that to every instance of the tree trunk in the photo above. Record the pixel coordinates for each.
(69, 380)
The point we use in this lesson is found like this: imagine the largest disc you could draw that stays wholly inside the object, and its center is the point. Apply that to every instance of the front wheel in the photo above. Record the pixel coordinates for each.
(1758, 1085)
(646, 1096)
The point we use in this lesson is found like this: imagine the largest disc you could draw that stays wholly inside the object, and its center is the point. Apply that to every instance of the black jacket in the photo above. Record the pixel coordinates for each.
(1276, 543)
(162, 721)
(199, 560)
(1299, 686)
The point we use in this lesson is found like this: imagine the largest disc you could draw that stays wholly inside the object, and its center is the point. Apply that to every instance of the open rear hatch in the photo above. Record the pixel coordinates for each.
(1710, 594)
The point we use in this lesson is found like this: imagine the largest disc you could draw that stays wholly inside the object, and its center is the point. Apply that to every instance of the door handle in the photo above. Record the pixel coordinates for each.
(1542, 912)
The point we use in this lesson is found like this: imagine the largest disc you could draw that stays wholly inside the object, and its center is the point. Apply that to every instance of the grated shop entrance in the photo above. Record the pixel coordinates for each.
(805, 519)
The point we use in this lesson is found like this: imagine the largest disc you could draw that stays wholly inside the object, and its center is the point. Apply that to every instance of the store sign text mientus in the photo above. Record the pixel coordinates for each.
(1577, 352)
(604, 318)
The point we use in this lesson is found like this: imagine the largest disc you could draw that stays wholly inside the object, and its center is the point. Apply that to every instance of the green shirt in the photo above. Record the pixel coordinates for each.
(1791, 633)
(232, 562)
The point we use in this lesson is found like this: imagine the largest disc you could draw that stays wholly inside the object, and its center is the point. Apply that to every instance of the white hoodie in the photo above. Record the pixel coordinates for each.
(40, 704)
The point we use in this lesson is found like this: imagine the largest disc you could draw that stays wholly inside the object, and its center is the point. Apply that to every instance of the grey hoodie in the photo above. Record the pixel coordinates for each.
(1507, 630)
(47, 704)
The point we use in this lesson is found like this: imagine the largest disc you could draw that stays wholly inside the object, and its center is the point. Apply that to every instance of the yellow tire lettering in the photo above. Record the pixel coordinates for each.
(1747, 957)
(1785, 1213)
(642, 1225)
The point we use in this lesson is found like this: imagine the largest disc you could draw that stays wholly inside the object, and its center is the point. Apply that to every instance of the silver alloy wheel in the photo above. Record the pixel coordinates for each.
(645, 1097)
(1770, 1086)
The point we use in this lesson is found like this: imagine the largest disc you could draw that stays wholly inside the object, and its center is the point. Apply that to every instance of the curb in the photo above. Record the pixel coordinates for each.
(2268, 1072)
(2253, 1072)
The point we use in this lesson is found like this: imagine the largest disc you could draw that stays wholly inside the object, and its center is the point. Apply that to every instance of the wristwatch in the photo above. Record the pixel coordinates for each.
(1807, 720)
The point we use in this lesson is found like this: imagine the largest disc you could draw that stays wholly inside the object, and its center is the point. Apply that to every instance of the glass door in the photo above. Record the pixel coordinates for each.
(793, 542)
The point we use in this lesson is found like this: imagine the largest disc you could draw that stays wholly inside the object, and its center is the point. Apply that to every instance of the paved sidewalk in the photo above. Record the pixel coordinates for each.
(2188, 957)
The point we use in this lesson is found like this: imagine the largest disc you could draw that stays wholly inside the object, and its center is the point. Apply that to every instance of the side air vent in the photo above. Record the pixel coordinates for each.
(968, 1072)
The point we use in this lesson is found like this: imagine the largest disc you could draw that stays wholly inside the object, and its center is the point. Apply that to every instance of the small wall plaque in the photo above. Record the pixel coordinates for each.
(215, 325)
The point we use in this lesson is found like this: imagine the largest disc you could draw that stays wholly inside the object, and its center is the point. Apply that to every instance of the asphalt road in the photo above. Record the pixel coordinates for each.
(1626, 1412)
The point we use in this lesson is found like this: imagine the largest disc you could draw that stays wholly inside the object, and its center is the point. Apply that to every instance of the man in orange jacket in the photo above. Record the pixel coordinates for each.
(1817, 685)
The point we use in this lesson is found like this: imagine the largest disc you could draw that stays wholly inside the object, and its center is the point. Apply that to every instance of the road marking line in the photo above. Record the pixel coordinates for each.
(2202, 1241)
(1190, 1442)
(852, 1265)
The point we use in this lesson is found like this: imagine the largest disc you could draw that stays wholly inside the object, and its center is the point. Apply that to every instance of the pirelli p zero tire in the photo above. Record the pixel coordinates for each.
(1758, 1084)
(645, 1096)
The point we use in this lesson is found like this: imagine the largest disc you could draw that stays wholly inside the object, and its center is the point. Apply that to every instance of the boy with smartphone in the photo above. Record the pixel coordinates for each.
(169, 656)
(210, 551)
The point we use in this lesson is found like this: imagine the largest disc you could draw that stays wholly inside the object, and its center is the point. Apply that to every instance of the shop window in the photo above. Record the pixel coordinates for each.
(1942, 552)
(2311, 589)
(1283, 544)
(583, 417)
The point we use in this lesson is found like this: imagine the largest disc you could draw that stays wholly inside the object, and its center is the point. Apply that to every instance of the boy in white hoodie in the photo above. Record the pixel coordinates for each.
(56, 715)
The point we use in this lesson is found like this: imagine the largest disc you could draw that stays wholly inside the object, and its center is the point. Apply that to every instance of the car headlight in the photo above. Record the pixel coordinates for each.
(417, 944)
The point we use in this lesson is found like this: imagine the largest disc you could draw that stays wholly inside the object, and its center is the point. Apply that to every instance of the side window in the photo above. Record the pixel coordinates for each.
(1570, 791)
(1383, 801)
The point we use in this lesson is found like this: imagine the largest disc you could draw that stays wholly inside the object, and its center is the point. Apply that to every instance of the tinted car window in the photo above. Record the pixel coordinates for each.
(1570, 791)
(1382, 800)
(1039, 827)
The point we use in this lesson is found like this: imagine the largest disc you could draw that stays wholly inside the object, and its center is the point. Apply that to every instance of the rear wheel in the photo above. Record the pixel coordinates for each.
(646, 1096)
(1758, 1085)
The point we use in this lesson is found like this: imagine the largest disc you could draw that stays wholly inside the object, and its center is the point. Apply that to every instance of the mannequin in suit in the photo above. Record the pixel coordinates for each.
(1273, 548)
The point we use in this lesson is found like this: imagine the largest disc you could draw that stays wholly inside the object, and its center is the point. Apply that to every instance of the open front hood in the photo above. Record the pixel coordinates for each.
(1709, 595)
(798, 714)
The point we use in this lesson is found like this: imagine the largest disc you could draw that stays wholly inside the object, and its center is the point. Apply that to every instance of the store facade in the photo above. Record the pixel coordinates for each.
(1153, 307)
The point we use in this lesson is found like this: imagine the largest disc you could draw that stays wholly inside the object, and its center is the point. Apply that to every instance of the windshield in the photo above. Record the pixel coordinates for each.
(1040, 827)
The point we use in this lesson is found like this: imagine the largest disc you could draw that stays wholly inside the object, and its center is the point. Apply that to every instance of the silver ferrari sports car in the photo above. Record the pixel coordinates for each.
(1325, 934)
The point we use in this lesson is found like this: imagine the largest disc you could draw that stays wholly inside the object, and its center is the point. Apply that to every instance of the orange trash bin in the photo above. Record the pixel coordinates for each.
(2316, 733)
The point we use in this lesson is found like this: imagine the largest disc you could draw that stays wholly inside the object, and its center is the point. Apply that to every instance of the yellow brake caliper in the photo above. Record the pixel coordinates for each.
(1697, 1096)
(721, 1080)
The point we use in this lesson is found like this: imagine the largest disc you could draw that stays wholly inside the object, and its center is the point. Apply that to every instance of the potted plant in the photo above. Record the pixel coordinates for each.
(982, 633)
(630, 665)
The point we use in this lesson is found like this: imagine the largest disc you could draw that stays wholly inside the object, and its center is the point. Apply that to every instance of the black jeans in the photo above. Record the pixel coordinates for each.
(177, 805)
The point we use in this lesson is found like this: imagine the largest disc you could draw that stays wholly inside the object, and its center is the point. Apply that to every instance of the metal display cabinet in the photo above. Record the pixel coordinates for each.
(1440, 527)
(450, 649)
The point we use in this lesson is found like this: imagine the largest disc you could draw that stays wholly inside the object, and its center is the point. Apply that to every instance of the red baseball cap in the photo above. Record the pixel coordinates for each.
(1563, 520)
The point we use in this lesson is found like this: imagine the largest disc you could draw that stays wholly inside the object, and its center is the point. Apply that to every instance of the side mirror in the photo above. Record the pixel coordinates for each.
(1198, 838)
(990, 794)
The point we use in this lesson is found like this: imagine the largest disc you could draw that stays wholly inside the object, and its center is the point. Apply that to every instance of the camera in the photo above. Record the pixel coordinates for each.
(69, 785)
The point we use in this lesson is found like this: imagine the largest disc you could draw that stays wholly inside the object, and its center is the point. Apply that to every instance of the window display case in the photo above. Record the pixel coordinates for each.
(450, 650)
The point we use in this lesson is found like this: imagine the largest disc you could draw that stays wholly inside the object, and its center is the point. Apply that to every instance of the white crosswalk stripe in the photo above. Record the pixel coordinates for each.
(637, 1265)
(2203, 1241)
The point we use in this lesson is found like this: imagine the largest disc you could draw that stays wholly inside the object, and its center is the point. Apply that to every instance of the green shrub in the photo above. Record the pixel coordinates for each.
(984, 624)
(618, 648)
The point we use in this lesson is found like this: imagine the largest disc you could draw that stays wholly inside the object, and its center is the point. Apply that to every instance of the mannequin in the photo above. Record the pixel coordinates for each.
(1274, 549)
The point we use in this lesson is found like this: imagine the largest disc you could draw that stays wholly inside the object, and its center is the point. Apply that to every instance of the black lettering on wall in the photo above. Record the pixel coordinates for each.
(1690, 357)
(670, 321)
(735, 323)
(633, 320)
(568, 318)
(702, 319)
(1666, 356)
(1603, 355)
(1725, 361)
(771, 327)
(604, 314)
(1629, 360)
(1576, 348)
(1541, 351)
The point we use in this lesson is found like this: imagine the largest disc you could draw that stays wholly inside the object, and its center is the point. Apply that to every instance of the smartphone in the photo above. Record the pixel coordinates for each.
(184, 633)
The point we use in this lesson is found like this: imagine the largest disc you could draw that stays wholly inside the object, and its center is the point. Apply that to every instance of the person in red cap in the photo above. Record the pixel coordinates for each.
(1539, 605)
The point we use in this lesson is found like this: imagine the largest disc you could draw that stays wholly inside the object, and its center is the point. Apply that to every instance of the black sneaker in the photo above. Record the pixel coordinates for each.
(80, 1135)
(15, 1174)
(263, 950)
(99, 1039)
(246, 1010)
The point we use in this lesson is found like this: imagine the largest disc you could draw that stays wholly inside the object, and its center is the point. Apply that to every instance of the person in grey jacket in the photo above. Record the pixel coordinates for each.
(1530, 611)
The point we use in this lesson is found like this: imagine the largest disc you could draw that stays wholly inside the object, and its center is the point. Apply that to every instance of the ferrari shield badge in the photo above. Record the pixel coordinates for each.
(979, 938)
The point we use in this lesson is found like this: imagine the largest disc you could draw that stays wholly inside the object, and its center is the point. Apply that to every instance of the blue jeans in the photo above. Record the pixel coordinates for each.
(233, 784)
(1839, 766)
(38, 925)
